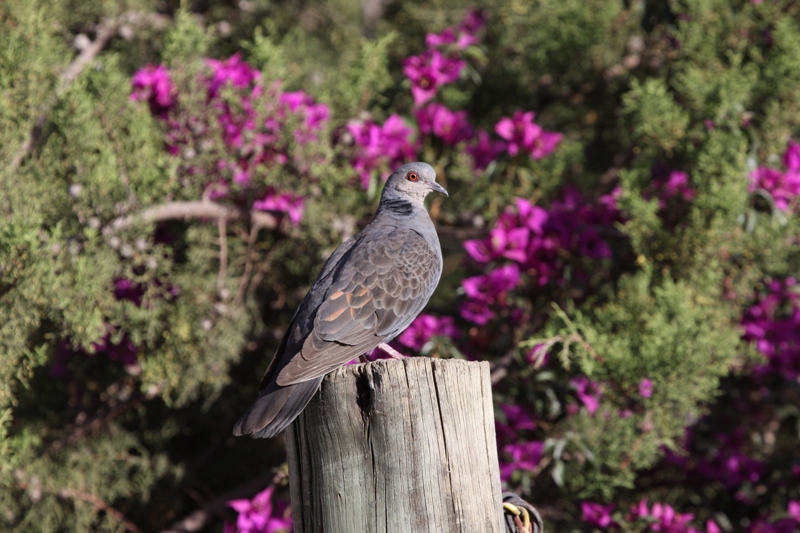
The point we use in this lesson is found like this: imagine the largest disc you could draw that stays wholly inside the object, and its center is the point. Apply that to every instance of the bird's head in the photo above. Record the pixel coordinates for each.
(414, 180)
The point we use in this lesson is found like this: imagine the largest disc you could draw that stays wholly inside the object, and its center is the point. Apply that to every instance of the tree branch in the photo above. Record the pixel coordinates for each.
(105, 32)
(101, 506)
(193, 210)
(223, 255)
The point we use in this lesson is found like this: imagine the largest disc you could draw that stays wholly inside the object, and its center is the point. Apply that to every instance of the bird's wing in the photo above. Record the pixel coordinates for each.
(376, 291)
(300, 327)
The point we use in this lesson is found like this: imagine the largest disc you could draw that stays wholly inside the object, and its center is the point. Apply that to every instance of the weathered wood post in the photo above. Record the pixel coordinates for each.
(397, 446)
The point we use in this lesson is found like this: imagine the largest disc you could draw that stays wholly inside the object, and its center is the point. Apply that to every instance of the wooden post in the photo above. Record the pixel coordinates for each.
(397, 446)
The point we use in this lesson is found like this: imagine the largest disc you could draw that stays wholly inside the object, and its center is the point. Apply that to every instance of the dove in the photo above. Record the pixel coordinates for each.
(369, 290)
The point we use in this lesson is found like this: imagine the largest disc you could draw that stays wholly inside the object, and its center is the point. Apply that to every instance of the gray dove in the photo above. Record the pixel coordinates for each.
(370, 289)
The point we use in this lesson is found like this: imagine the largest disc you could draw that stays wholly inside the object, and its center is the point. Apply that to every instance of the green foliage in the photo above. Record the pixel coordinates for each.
(632, 86)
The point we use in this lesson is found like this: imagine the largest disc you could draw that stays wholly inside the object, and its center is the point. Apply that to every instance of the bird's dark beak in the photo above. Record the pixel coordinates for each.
(438, 188)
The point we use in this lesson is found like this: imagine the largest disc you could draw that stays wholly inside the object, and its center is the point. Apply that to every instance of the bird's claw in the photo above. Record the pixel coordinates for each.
(391, 352)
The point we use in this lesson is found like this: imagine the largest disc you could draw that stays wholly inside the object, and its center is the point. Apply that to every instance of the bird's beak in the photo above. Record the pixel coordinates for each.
(438, 188)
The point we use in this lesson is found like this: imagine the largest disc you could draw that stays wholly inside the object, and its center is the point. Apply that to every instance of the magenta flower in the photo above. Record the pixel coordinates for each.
(315, 115)
(773, 325)
(646, 388)
(484, 150)
(232, 70)
(523, 135)
(259, 516)
(474, 20)
(674, 185)
(500, 280)
(430, 71)
(545, 144)
(782, 186)
(381, 147)
(424, 328)
(598, 515)
(450, 126)
(488, 290)
(523, 456)
(449, 37)
(294, 206)
(517, 420)
(588, 392)
(519, 131)
(153, 85)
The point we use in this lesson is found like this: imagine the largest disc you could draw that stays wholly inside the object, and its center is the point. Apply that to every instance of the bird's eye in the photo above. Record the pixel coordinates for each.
(412, 176)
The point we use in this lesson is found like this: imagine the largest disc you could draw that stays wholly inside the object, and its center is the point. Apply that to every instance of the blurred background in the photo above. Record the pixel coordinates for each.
(620, 241)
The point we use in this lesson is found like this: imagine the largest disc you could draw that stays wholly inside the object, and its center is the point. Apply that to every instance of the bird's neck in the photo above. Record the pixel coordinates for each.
(399, 205)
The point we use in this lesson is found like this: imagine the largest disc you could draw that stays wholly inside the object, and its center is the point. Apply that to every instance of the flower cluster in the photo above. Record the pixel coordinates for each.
(441, 63)
(773, 324)
(152, 84)
(424, 328)
(663, 518)
(123, 351)
(659, 517)
(522, 135)
(537, 242)
(588, 392)
(674, 185)
(381, 147)
(287, 203)
(518, 451)
(248, 116)
(260, 515)
(782, 186)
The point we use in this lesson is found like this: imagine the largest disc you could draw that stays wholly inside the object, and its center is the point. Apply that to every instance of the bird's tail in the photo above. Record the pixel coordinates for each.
(275, 408)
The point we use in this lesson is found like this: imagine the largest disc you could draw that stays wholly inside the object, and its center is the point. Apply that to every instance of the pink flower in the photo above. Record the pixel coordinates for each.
(662, 518)
(677, 185)
(794, 509)
(424, 328)
(232, 70)
(483, 291)
(152, 84)
(484, 150)
(316, 115)
(430, 71)
(294, 206)
(473, 21)
(519, 131)
(517, 421)
(524, 456)
(782, 186)
(381, 147)
(524, 135)
(259, 516)
(598, 515)
(588, 392)
(646, 388)
(450, 126)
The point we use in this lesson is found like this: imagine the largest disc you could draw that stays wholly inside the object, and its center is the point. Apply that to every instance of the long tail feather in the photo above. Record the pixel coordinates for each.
(275, 408)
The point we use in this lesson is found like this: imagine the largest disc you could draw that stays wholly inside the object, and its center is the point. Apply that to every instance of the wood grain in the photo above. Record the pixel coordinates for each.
(396, 446)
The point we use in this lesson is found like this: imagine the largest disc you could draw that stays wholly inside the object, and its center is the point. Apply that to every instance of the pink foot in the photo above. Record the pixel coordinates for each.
(394, 354)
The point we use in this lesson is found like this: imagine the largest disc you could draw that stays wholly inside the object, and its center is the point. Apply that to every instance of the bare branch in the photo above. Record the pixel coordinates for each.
(248, 266)
(500, 367)
(223, 255)
(100, 505)
(194, 210)
(105, 32)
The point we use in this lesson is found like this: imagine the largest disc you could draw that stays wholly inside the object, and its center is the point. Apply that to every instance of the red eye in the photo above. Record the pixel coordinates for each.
(412, 176)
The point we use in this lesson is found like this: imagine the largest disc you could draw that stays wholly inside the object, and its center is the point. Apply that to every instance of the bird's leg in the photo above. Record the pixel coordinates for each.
(363, 358)
(394, 354)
